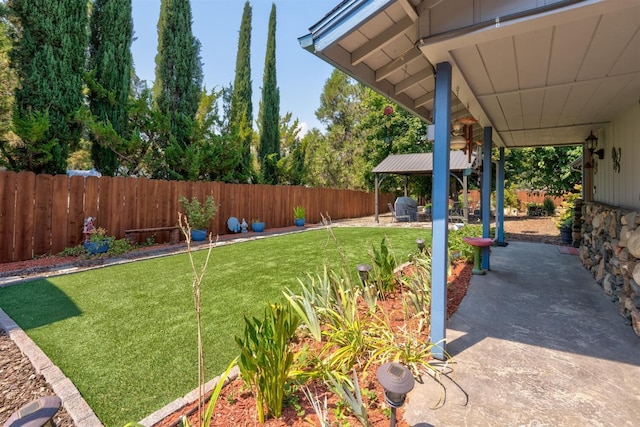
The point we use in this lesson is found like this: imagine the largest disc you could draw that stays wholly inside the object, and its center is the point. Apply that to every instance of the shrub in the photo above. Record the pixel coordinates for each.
(511, 197)
(199, 215)
(73, 251)
(566, 215)
(548, 206)
(119, 247)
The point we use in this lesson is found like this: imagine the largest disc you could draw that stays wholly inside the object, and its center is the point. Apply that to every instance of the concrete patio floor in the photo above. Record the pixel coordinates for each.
(535, 342)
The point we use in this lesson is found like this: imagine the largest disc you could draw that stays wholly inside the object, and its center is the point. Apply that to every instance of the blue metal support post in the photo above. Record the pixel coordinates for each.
(500, 202)
(486, 193)
(440, 209)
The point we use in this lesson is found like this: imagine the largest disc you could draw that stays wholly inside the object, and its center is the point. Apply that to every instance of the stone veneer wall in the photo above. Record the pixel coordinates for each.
(610, 249)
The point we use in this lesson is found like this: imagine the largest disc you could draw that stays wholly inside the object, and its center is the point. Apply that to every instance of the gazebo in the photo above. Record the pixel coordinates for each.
(421, 164)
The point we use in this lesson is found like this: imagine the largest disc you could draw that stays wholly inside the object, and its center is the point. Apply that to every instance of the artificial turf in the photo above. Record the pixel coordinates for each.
(126, 334)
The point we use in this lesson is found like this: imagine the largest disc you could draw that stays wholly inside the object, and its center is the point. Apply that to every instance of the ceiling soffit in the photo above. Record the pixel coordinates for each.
(538, 76)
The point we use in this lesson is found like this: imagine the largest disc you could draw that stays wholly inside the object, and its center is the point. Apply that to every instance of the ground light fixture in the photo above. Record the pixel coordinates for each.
(420, 243)
(363, 272)
(396, 380)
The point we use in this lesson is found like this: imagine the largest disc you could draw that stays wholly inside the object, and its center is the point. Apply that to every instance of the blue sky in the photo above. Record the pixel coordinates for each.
(301, 75)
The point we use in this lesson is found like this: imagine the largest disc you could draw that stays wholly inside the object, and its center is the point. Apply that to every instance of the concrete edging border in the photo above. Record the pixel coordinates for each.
(72, 400)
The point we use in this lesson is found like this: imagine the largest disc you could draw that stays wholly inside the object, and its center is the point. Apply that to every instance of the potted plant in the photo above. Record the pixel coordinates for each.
(257, 225)
(199, 215)
(97, 241)
(299, 216)
(566, 229)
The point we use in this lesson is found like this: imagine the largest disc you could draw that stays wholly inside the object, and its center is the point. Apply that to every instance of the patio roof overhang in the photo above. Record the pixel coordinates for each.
(539, 76)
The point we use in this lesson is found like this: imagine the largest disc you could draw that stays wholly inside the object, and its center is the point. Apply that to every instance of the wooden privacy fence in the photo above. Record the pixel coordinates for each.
(524, 197)
(44, 214)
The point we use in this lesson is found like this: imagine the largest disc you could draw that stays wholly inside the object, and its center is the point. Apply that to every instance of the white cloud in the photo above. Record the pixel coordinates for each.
(303, 127)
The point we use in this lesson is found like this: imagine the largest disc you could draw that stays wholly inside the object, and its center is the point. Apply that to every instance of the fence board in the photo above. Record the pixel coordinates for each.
(119, 206)
(106, 209)
(60, 213)
(181, 191)
(43, 214)
(153, 219)
(91, 193)
(76, 211)
(142, 206)
(129, 213)
(8, 182)
(25, 189)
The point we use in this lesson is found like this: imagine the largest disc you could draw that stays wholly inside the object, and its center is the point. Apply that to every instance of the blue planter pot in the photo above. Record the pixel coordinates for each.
(299, 222)
(198, 235)
(258, 227)
(99, 247)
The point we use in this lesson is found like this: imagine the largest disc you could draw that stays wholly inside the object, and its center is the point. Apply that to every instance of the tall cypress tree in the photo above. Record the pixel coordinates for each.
(270, 109)
(241, 105)
(110, 73)
(49, 58)
(178, 82)
(7, 88)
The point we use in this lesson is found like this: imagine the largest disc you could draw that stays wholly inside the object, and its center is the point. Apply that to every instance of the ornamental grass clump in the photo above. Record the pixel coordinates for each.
(266, 357)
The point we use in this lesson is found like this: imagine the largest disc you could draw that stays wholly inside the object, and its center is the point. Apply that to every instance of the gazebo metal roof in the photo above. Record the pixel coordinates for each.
(422, 163)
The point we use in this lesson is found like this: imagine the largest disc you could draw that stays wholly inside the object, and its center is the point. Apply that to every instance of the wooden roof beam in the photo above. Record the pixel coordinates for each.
(380, 41)
(404, 59)
(413, 80)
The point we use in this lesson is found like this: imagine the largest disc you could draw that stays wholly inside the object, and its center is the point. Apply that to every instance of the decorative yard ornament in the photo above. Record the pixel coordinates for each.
(388, 110)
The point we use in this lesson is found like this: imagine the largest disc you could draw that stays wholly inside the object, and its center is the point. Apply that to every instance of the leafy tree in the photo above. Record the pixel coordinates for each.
(291, 167)
(390, 129)
(337, 159)
(213, 156)
(109, 80)
(269, 147)
(241, 112)
(547, 169)
(178, 84)
(50, 42)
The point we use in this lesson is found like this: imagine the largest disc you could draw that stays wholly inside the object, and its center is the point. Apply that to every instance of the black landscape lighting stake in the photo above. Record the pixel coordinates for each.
(397, 381)
(363, 272)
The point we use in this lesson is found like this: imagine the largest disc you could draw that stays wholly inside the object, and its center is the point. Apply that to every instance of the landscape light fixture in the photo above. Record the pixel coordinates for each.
(363, 272)
(420, 243)
(396, 380)
(592, 142)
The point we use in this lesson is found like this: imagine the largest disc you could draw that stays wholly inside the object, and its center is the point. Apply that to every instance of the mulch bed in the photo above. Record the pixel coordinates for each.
(237, 406)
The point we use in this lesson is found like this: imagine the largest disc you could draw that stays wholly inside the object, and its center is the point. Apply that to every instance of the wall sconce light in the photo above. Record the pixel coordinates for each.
(420, 243)
(396, 380)
(592, 142)
(363, 272)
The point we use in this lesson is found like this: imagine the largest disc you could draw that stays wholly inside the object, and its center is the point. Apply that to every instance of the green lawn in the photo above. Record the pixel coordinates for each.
(126, 335)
